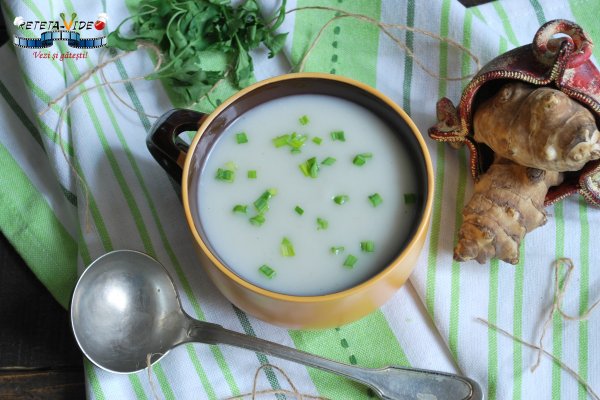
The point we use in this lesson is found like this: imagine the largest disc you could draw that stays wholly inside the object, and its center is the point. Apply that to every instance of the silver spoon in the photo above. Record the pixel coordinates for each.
(125, 306)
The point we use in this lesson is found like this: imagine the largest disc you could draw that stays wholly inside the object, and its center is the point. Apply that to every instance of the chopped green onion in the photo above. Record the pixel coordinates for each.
(225, 175)
(241, 138)
(336, 249)
(304, 120)
(240, 208)
(310, 167)
(338, 135)
(295, 151)
(296, 141)
(257, 220)
(252, 174)
(361, 159)
(367, 246)
(287, 248)
(317, 140)
(267, 271)
(231, 165)
(299, 210)
(272, 191)
(322, 224)
(350, 261)
(281, 141)
(410, 198)
(341, 199)
(375, 199)
(328, 161)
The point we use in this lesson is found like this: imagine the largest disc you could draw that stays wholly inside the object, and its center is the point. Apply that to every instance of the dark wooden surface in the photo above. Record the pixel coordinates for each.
(39, 358)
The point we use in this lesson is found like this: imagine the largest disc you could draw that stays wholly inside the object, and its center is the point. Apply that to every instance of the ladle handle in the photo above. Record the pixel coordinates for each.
(163, 140)
(389, 383)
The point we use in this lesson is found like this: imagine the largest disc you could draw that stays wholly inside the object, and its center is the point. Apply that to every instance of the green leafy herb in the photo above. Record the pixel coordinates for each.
(317, 140)
(304, 120)
(310, 167)
(252, 174)
(341, 199)
(361, 159)
(262, 203)
(203, 42)
(225, 175)
(328, 161)
(367, 246)
(241, 138)
(410, 198)
(295, 141)
(287, 248)
(375, 199)
(267, 271)
(322, 224)
(350, 261)
(281, 141)
(299, 210)
(238, 208)
(338, 136)
(257, 220)
(336, 249)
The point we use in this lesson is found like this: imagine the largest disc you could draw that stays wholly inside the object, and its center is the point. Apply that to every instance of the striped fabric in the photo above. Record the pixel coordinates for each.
(131, 203)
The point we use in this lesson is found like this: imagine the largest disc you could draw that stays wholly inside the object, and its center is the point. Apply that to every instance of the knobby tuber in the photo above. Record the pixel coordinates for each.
(536, 134)
(507, 203)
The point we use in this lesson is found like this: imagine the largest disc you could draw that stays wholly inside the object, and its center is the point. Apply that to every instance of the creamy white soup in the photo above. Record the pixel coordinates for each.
(307, 217)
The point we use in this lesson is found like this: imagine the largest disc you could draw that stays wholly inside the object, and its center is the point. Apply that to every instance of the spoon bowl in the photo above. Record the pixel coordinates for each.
(125, 308)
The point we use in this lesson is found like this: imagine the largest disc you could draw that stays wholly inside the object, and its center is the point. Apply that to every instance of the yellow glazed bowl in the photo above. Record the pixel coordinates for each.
(185, 164)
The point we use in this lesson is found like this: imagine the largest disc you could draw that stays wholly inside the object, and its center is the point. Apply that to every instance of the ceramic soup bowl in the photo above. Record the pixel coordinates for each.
(320, 250)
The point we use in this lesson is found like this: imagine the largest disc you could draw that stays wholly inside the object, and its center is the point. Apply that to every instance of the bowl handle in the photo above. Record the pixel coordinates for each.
(164, 143)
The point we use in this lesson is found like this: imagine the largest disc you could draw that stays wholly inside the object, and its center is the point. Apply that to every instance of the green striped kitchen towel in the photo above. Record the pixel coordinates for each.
(429, 324)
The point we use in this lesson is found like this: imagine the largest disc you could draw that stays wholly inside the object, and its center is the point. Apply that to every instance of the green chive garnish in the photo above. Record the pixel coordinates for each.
(361, 159)
(341, 199)
(304, 120)
(410, 198)
(336, 249)
(241, 138)
(257, 220)
(328, 161)
(367, 246)
(230, 165)
(350, 261)
(299, 210)
(317, 140)
(267, 271)
(262, 203)
(225, 175)
(238, 208)
(310, 167)
(295, 151)
(281, 141)
(252, 174)
(287, 248)
(296, 141)
(375, 199)
(322, 224)
(338, 135)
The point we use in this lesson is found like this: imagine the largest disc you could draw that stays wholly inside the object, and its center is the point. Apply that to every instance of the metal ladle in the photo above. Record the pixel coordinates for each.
(125, 306)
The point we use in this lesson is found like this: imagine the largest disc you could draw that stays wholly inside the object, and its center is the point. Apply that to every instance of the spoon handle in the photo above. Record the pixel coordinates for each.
(389, 383)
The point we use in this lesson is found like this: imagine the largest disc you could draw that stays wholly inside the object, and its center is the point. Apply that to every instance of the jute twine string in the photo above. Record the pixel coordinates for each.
(255, 391)
(385, 28)
(559, 294)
